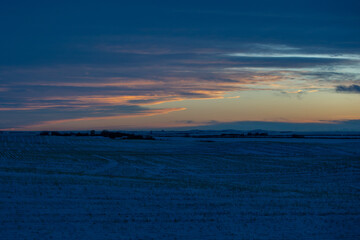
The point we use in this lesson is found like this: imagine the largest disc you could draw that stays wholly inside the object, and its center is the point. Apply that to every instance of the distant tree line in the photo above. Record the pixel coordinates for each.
(104, 133)
(123, 135)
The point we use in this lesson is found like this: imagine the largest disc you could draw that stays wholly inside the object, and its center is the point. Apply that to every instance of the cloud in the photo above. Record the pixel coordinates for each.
(298, 93)
(297, 55)
(348, 89)
(134, 76)
(86, 120)
(42, 117)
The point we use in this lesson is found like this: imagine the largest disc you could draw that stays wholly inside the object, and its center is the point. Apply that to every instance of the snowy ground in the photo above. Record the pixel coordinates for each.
(180, 188)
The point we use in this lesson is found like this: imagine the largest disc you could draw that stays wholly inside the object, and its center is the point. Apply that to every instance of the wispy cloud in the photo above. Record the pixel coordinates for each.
(85, 120)
(38, 118)
(297, 55)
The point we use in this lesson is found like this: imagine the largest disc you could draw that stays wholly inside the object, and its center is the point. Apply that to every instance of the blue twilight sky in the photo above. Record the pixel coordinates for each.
(69, 65)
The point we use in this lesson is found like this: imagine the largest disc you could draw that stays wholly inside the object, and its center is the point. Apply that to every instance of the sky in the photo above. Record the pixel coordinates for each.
(80, 65)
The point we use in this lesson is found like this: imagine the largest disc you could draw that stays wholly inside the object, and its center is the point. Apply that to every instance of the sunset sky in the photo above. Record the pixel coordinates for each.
(79, 65)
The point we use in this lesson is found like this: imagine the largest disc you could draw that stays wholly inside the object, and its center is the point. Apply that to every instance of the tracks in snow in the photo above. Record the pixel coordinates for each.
(111, 164)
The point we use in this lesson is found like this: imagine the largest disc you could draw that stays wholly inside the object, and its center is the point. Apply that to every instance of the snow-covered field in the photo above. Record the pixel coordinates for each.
(178, 188)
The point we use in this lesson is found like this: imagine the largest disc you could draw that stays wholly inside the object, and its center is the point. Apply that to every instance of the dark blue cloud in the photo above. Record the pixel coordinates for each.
(348, 89)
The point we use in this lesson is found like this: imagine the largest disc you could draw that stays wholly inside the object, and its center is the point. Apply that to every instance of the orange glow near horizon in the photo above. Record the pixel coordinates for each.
(265, 106)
